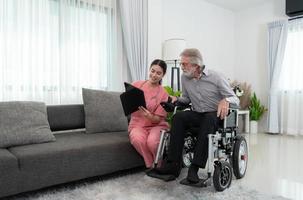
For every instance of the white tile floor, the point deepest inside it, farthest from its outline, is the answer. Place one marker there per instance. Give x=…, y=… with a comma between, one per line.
x=275, y=165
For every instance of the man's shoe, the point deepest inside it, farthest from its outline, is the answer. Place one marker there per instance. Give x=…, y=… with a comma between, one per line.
x=172, y=168
x=192, y=175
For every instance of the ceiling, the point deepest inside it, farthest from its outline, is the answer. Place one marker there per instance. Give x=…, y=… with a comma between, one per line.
x=236, y=5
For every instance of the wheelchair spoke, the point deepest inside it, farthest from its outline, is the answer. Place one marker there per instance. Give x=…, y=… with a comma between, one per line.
x=222, y=175
x=225, y=176
x=242, y=157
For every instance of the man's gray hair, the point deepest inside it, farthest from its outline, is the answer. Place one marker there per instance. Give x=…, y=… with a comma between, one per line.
x=194, y=56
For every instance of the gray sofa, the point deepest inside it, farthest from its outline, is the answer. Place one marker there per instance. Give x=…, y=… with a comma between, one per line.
x=73, y=156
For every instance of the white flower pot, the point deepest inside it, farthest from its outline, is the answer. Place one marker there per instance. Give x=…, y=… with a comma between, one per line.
x=253, y=126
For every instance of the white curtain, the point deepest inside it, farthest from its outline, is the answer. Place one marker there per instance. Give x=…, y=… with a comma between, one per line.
x=134, y=28
x=277, y=36
x=291, y=81
x=286, y=82
x=50, y=49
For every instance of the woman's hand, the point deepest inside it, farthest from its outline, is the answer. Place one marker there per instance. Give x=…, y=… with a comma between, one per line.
x=145, y=112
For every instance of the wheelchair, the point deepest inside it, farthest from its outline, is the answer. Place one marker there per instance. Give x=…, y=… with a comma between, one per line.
x=227, y=150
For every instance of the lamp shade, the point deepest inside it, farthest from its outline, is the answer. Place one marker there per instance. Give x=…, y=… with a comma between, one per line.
x=172, y=48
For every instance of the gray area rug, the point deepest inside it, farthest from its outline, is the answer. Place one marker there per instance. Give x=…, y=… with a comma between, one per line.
x=138, y=186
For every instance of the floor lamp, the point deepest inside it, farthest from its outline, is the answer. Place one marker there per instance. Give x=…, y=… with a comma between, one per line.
x=171, y=53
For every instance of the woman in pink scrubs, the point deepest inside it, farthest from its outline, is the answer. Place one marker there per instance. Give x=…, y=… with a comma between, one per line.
x=145, y=124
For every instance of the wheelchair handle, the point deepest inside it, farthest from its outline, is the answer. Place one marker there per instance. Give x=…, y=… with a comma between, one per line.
x=234, y=106
x=173, y=107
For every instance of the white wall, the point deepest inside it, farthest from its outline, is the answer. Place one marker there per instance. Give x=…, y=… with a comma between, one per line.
x=233, y=43
x=204, y=26
x=154, y=30
x=251, y=52
x=251, y=46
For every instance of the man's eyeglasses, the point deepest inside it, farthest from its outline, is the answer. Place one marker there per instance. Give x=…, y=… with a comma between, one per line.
x=185, y=64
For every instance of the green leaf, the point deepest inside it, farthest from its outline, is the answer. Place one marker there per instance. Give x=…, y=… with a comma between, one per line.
x=171, y=92
x=256, y=109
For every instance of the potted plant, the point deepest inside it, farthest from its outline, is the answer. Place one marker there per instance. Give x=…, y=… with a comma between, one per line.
x=171, y=92
x=256, y=110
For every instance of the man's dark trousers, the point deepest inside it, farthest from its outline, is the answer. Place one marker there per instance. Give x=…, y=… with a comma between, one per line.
x=207, y=123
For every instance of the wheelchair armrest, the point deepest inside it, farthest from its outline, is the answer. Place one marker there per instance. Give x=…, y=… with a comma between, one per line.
x=170, y=107
x=231, y=120
x=182, y=106
x=234, y=106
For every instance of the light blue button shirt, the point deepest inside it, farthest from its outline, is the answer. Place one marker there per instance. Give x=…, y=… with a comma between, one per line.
x=206, y=92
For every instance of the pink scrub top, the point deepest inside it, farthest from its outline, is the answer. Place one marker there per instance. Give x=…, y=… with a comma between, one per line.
x=153, y=97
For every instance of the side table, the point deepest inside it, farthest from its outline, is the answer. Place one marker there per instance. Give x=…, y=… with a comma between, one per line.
x=246, y=117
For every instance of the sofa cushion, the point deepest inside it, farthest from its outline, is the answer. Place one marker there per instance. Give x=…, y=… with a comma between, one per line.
x=75, y=155
x=8, y=162
x=23, y=123
x=65, y=117
x=9, y=173
x=103, y=111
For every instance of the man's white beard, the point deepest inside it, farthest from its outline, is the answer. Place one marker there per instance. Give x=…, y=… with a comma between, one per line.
x=189, y=74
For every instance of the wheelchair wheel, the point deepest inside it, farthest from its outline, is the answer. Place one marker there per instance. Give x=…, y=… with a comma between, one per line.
x=187, y=158
x=187, y=154
x=240, y=157
x=222, y=175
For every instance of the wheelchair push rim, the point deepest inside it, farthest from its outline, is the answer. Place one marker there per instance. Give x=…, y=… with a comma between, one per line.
x=243, y=157
x=240, y=157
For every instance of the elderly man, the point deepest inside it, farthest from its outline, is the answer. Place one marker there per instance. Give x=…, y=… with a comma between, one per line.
x=210, y=95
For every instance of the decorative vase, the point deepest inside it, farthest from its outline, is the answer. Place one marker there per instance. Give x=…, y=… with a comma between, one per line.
x=253, y=126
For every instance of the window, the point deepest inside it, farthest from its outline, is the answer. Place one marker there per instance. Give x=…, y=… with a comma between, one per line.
x=50, y=50
x=292, y=67
x=286, y=100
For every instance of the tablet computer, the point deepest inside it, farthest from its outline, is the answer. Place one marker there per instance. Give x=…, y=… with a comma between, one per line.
x=132, y=98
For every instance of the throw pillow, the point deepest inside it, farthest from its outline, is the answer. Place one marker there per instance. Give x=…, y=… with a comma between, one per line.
x=23, y=123
x=103, y=111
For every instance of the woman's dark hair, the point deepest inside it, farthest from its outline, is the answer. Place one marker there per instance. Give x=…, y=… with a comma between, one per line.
x=162, y=64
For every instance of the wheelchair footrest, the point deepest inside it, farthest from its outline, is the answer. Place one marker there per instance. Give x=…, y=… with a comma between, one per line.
x=165, y=177
x=201, y=183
